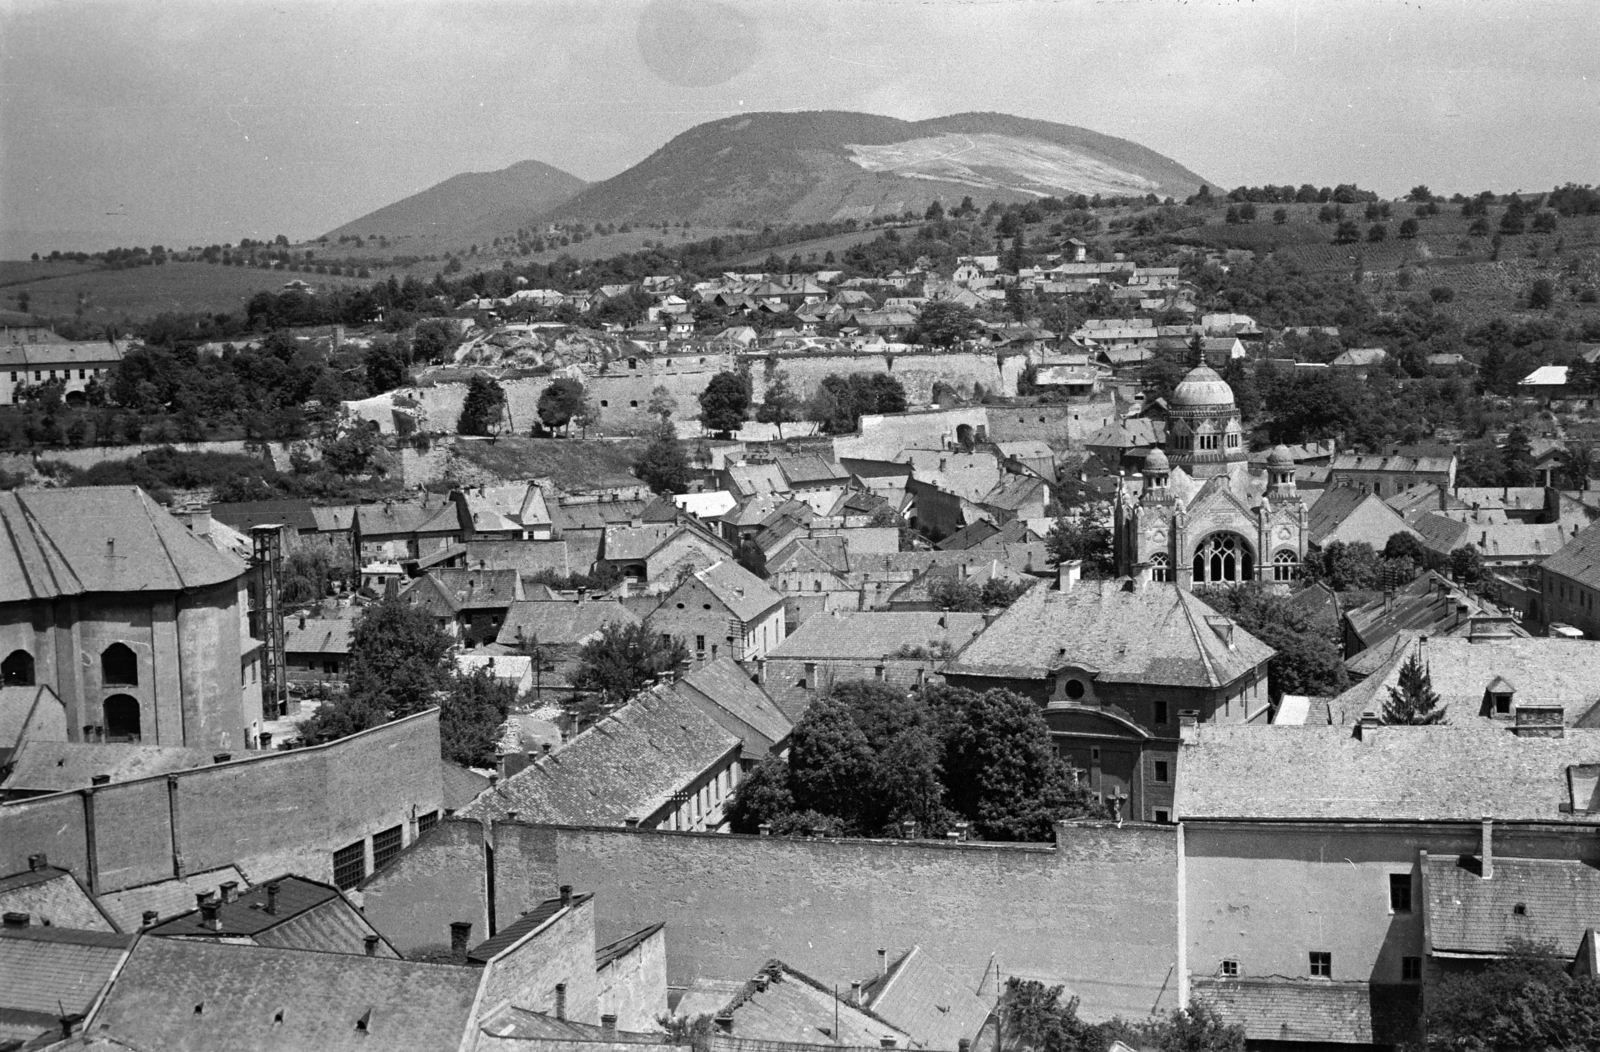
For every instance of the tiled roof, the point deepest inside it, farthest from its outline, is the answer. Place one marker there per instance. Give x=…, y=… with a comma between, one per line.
x=335, y=519
x=167, y=898
x=1579, y=559
x=1338, y=503
x=626, y=766
x=797, y=1008
x=561, y=622
x=1014, y=491
x=753, y=479
x=244, y=515
x=745, y=595
x=594, y=515
x=42, y=766
x=1456, y=772
x=875, y=634
x=1431, y=603
x=380, y=520
x=64, y=542
x=637, y=542
x=474, y=589
x=1282, y=1009
x=1155, y=635
x=969, y=536
x=530, y=921
x=1538, y=670
x=50, y=969
x=612, y=951
x=179, y=995
x=1397, y=464
x=53, y=896
x=729, y=689
x=920, y=997
x=317, y=635
x=308, y=916
x=519, y=1028
x=1558, y=899
x=802, y=469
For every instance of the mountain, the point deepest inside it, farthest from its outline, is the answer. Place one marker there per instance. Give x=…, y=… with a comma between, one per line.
x=500, y=201
x=808, y=167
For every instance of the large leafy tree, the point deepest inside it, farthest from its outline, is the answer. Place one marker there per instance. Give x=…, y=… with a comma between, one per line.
x=779, y=404
x=1412, y=700
x=1306, y=659
x=471, y=715
x=1088, y=538
x=625, y=659
x=385, y=363
x=483, y=408
x=944, y=323
x=830, y=761
x=663, y=465
x=724, y=402
x=1525, y=1001
x=560, y=402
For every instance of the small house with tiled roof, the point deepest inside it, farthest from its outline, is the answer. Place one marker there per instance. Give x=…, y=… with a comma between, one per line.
x=657, y=554
x=920, y=996
x=782, y=1007
x=1569, y=584
x=50, y=895
x=316, y=649
x=287, y=911
x=722, y=610
x=1114, y=665
x=469, y=603
x=392, y=531
x=727, y=693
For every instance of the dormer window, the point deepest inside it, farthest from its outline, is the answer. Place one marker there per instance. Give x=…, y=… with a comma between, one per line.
x=1502, y=704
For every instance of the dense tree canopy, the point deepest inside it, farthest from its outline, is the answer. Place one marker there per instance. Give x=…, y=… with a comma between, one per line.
x=725, y=402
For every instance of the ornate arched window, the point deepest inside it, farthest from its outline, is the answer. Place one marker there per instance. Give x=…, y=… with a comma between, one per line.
x=1285, y=566
x=17, y=669
x=1222, y=557
x=119, y=667
x=122, y=718
x=1160, y=567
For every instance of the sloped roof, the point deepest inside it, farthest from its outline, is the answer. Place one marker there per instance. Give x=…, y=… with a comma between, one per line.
x=1456, y=772
x=167, y=898
x=1579, y=559
x=1155, y=635
x=729, y=688
x=560, y=622
x=1013, y=491
x=1394, y=463
x=63, y=542
x=317, y=635
x=798, y=1009
x=244, y=515
x=751, y=479
x=308, y=916
x=1277, y=1008
x=593, y=515
x=626, y=766
x=51, y=969
x=920, y=997
x=612, y=951
x=525, y=557
x=475, y=589
x=40, y=766
x=1467, y=913
x=322, y=996
x=874, y=634
x=525, y=925
x=55, y=897
x=380, y=520
x=1431, y=602
x=745, y=595
x=638, y=542
x=801, y=469
x=1367, y=514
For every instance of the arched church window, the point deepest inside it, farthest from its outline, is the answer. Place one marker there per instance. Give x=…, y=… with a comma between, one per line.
x=1160, y=567
x=1285, y=566
x=17, y=669
x=122, y=718
x=1222, y=558
x=118, y=666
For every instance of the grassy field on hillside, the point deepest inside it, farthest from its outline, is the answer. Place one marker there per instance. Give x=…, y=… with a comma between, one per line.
x=109, y=295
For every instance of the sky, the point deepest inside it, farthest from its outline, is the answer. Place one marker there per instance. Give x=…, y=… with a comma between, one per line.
x=179, y=122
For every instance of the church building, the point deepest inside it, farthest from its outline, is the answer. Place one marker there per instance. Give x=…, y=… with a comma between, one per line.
x=1200, y=517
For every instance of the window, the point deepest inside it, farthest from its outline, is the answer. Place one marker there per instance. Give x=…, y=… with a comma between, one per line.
x=1094, y=754
x=1163, y=773
x=1285, y=566
x=1230, y=968
x=1400, y=892
x=385, y=845
x=1502, y=704
x=700, y=644
x=350, y=865
x=1161, y=712
x=604, y=403
x=118, y=666
x=1163, y=816
x=1074, y=689
x=1322, y=964
x=17, y=669
x=427, y=821
x=1160, y=568
x=1411, y=969
x=121, y=714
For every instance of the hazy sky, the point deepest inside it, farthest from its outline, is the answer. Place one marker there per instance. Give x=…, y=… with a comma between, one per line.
x=181, y=122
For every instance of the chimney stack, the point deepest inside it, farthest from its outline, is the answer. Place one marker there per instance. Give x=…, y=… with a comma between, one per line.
x=202, y=899
x=100, y=779
x=460, y=932
x=1369, y=723
x=608, y=1021
x=1068, y=574
x=230, y=890
x=272, y=897
x=725, y=1022
x=855, y=992
x=14, y=919
x=883, y=962
x=561, y=1001
x=1486, y=852
x=371, y=943
x=209, y=916
x=566, y=894
x=149, y=918
x=38, y=862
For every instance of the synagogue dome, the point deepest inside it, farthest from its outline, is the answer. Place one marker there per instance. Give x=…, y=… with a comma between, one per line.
x=1202, y=388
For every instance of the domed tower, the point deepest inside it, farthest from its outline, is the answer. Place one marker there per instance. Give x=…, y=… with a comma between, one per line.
x=1280, y=474
x=1156, y=472
x=1205, y=436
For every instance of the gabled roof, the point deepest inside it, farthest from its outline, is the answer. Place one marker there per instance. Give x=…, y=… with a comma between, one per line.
x=1366, y=513
x=875, y=634
x=65, y=542
x=317, y=635
x=611, y=952
x=628, y=765
x=460, y=588
x=167, y=898
x=593, y=515
x=303, y=915
x=1468, y=913
x=48, y=970
x=525, y=925
x=1579, y=559
x=920, y=997
x=1391, y=463
x=750, y=479
x=54, y=897
x=1015, y=491
x=1277, y=1008
x=795, y=1009
x=525, y=557
x=727, y=687
x=42, y=766
x=1157, y=635
x=244, y=515
x=180, y=995
x=802, y=469
x=745, y=595
x=388, y=518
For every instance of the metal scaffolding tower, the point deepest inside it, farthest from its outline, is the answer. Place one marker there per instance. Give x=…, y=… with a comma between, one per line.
x=267, y=618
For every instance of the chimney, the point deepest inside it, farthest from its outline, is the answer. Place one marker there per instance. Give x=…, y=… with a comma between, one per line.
x=266, y=739
x=1369, y=723
x=111, y=547
x=149, y=918
x=725, y=1022
x=908, y=828
x=561, y=1001
x=460, y=932
x=230, y=890
x=14, y=919
x=883, y=962
x=272, y=897
x=855, y=992
x=1068, y=574
x=886, y=1041
x=302, y=622
x=765, y=828
x=209, y=916
x=608, y=1021
x=221, y=757
x=964, y=1045
x=1486, y=853
x=1188, y=724
x=371, y=943
x=100, y=779
x=38, y=862
x=566, y=894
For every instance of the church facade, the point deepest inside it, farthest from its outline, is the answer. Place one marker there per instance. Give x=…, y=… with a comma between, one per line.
x=1199, y=516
